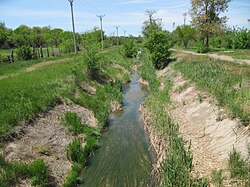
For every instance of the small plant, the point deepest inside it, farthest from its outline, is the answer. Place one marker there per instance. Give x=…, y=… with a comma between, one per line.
x=182, y=87
x=217, y=177
x=75, y=152
x=238, y=167
x=73, y=123
x=73, y=178
x=39, y=172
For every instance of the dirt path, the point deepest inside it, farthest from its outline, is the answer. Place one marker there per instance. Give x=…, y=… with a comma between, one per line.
x=43, y=64
x=216, y=56
x=35, y=67
x=211, y=133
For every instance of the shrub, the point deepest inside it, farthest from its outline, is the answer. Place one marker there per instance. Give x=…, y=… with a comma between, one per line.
x=24, y=53
x=201, y=47
x=158, y=43
x=95, y=64
x=129, y=49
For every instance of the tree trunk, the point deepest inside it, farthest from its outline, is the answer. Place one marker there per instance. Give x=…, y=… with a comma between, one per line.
x=41, y=51
x=53, y=52
x=207, y=41
x=47, y=51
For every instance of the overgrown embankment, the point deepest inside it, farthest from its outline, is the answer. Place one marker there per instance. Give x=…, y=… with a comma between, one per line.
x=174, y=164
x=228, y=82
x=190, y=129
x=67, y=106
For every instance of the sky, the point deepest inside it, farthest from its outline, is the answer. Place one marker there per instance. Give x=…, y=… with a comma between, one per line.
x=128, y=14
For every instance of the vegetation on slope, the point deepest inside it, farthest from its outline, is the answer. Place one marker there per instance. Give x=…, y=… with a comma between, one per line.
x=228, y=82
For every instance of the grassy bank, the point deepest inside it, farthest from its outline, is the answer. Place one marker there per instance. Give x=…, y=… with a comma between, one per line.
x=177, y=167
x=228, y=82
x=27, y=94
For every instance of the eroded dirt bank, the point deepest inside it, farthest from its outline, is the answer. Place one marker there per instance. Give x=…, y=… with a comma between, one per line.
x=212, y=134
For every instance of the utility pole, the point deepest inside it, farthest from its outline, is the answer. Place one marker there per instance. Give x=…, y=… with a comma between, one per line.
x=100, y=17
x=73, y=24
x=185, y=17
x=173, y=26
x=117, y=32
x=124, y=33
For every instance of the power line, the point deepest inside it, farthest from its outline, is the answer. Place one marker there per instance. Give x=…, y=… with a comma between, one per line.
x=100, y=17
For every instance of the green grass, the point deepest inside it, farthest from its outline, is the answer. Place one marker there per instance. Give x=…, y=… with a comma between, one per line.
x=147, y=71
x=20, y=66
x=12, y=173
x=177, y=167
x=228, y=82
x=217, y=177
x=25, y=95
x=237, y=53
x=234, y=53
x=239, y=168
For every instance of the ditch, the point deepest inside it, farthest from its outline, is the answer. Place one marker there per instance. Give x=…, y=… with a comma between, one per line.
x=125, y=157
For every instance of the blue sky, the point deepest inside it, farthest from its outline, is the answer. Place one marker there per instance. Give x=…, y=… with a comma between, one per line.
x=128, y=14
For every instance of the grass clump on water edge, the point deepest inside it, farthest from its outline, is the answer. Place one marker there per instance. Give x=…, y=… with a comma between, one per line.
x=12, y=173
x=147, y=71
x=78, y=151
x=228, y=82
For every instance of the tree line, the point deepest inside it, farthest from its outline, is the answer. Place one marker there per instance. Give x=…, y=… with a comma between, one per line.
x=39, y=42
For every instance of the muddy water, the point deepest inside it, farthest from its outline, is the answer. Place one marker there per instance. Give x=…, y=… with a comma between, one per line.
x=124, y=158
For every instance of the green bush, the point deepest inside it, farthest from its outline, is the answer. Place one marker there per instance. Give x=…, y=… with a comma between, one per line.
x=129, y=49
x=96, y=64
x=24, y=53
x=201, y=47
x=158, y=43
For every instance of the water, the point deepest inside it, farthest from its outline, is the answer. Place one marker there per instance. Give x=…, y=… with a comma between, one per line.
x=124, y=158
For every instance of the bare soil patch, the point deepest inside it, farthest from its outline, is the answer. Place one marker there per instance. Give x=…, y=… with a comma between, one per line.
x=211, y=132
x=47, y=138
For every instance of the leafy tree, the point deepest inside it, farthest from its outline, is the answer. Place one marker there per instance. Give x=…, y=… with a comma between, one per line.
x=184, y=34
x=92, y=37
x=158, y=43
x=3, y=34
x=205, y=17
x=21, y=36
x=151, y=25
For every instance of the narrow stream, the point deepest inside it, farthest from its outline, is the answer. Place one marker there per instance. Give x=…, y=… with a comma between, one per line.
x=124, y=158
